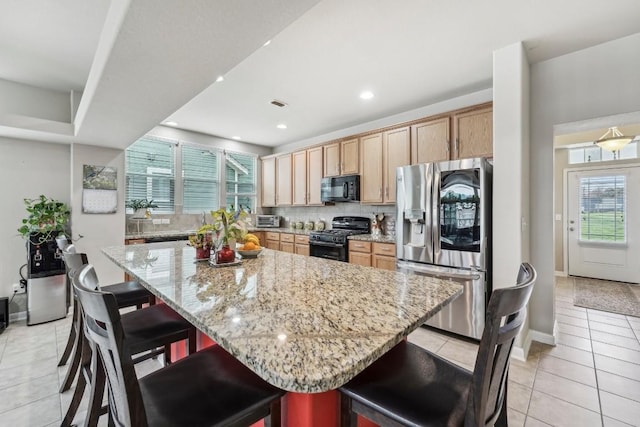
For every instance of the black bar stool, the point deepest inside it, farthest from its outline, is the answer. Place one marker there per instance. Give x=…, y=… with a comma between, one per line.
x=207, y=388
x=412, y=386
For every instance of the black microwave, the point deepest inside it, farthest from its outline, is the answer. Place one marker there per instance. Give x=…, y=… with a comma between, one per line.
x=340, y=189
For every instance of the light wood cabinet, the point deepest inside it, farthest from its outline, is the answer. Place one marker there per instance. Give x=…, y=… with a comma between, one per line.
x=473, y=132
x=430, y=141
x=272, y=240
x=314, y=175
x=371, y=176
x=302, y=244
x=299, y=178
x=384, y=256
x=268, y=183
x=342, y=158
x=287, y=242
x=283, y=180
x=397, y=152
x=360, y=258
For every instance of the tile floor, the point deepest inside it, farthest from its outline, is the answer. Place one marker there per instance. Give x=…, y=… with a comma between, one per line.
x=591, y=378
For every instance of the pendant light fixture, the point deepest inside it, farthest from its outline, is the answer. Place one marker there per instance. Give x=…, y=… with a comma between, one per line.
x=613, y=140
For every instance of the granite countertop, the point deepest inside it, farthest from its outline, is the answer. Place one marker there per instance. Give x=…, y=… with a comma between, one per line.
x=284, y=230
x=383, y=238
x=303, y=324
x=160, y=234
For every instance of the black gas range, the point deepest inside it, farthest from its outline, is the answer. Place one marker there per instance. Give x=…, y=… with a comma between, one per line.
x=333, y=244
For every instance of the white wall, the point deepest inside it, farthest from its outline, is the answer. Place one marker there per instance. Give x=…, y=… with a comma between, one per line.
x=98, y=230
x=594, y=82
x=27, y=170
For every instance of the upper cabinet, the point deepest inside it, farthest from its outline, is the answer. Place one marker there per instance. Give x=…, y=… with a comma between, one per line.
x=341, y=158
x=396, y=146
x=306, y=177
x=430, y=141
x=283, y=180
x=268, y=183
x=473, y=133
x=371, y=176
x=299, y=178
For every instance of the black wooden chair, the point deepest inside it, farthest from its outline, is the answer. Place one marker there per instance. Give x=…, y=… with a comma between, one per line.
x=128, y=294
x=414, y=387
x=148, y=332
x=207, y=388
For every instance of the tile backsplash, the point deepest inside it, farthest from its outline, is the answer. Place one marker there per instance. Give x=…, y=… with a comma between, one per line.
x=326, y=213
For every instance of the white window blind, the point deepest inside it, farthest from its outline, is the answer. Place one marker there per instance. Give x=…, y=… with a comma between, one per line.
x=240, y=177
x=602, y=208
x=200, y=179
x=150, y=172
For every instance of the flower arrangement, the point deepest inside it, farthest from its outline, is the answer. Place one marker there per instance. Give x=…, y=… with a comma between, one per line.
x=202, y=238
x=229, y=225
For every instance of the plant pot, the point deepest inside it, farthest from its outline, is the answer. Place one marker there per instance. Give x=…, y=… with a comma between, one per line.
x=225, y=254
x=203, y=253
x=141, y=213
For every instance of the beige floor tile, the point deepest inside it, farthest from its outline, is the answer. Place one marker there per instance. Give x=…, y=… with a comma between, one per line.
x=610, y=422
x=618, y=367
x=29, y=372
x=40, y=413
x=3, y=344
x=615, y=321
x=621, y=386
x=611, y=329
x=28, y=392
x=571, y=312
x=459, y=352
x=568, y=320
x=573, y=330
x=574, y=341
x=518, y=397
x=13, y=357
x=569, y=370
x=571, y=354
x=515, y=418
x=532, y=422
x=427, y=340
x=620, y=408
x=605, y=313
x=565, y=389
x=616, y=352
x=559, y=413
x=522, y=374
x=630, y=343
x=634, y=322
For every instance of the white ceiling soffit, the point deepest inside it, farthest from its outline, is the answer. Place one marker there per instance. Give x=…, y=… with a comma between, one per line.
x=409, y=54
x=152, y=57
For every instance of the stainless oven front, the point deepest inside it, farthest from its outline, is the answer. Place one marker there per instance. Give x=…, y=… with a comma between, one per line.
x=328, y=250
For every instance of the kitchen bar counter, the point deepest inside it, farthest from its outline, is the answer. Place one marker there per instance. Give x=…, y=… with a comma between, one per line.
x=304, y=324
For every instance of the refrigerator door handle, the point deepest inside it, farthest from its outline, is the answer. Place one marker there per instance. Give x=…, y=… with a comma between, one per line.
x=459, y=274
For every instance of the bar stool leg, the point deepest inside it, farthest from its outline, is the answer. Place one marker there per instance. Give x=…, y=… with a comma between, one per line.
x=95, y=409
x=80, y=384
x=74, y=367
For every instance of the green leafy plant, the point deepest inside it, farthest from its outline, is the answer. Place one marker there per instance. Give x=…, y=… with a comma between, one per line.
x=202, y=239
x=136, y=204
x=47, y=219
x=229, y=224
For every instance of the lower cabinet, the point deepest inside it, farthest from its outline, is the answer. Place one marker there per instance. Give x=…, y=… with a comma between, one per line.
x=360, y=252
x=373, y=254
x=302, y=244
x=287, y=242
x=272, y=240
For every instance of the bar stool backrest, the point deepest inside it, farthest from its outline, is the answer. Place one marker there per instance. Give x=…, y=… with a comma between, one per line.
x=505, y=315
x=102, y=326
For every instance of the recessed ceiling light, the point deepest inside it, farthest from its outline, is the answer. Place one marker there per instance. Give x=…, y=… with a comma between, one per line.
x=366, y=94
x=219, y=79
x=281, y=126
x=171, y=123
x=267, y=43
x=237, y=138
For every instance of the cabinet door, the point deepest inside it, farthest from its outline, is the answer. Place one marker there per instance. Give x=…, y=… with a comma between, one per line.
x=350, y=159
x=474, y=133
x=283, y=180
x=314, y=175
x=273, y=244
x=299, y=178
x=302, y=249
x=332, y=159
x=360, y=258
x=268, y=182
x=287, y=247
x=387, y=249
x=397, y=149
x=430, y=141
x=371, y=176
x=384, y=262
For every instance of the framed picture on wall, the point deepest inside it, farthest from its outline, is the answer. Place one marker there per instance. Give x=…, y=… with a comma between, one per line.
x=99, y=189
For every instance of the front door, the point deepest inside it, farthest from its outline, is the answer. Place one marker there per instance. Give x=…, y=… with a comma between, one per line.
x=604, y=224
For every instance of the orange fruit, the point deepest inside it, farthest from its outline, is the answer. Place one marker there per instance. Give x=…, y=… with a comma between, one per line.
x=249, y=246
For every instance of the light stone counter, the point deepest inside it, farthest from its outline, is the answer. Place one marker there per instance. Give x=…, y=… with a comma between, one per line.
x=383, y=238
x=304, y=324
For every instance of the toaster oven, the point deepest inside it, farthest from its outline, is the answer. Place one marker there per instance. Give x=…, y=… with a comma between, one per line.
x=267, y=221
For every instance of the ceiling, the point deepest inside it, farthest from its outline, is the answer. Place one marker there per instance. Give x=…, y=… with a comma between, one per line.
x=107, y=73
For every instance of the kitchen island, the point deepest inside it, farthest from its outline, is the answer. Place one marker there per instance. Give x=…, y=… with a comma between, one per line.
x=304, y=324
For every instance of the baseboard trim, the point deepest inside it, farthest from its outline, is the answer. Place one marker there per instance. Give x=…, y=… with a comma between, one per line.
x=544, y=337
x=16, y=317
x=521, y=353
x=561, y=274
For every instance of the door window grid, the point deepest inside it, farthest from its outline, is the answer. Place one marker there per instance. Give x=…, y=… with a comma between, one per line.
x=240, y=181
x=593, y=153
x=602, y=209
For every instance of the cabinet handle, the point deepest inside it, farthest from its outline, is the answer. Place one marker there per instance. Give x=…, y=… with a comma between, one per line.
x=337, y=168
x=457, y=147
x=342, y=168
x=448, y=143
x=380, y=192
x=386, y=191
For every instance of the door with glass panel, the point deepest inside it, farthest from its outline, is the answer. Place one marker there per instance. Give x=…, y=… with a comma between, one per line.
x=604, y=224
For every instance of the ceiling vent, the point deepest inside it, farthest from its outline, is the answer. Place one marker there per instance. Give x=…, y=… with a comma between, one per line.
x=279, y=103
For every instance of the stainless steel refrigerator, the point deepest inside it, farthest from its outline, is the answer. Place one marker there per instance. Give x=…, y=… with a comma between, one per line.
x=444, y=229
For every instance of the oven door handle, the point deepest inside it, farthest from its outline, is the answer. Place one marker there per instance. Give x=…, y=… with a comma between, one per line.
x=327, y=244
x=335, y=258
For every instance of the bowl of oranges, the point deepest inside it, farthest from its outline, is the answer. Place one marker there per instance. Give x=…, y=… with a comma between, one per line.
x=251, y=247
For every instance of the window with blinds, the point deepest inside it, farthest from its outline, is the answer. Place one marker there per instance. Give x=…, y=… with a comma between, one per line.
x=602, y=208
x=240, y=177
x=200, y=179
x=150, y=172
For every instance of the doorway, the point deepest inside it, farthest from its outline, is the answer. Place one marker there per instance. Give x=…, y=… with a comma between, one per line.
x=603, y=223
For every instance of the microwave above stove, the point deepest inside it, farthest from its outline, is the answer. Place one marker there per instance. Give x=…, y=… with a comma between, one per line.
x=340, y=189
x=267, y=221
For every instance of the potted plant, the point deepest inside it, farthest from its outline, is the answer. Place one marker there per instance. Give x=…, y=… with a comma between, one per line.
x=202, y=241
x=47, y=219
x=140, y=207
x=229, y=226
